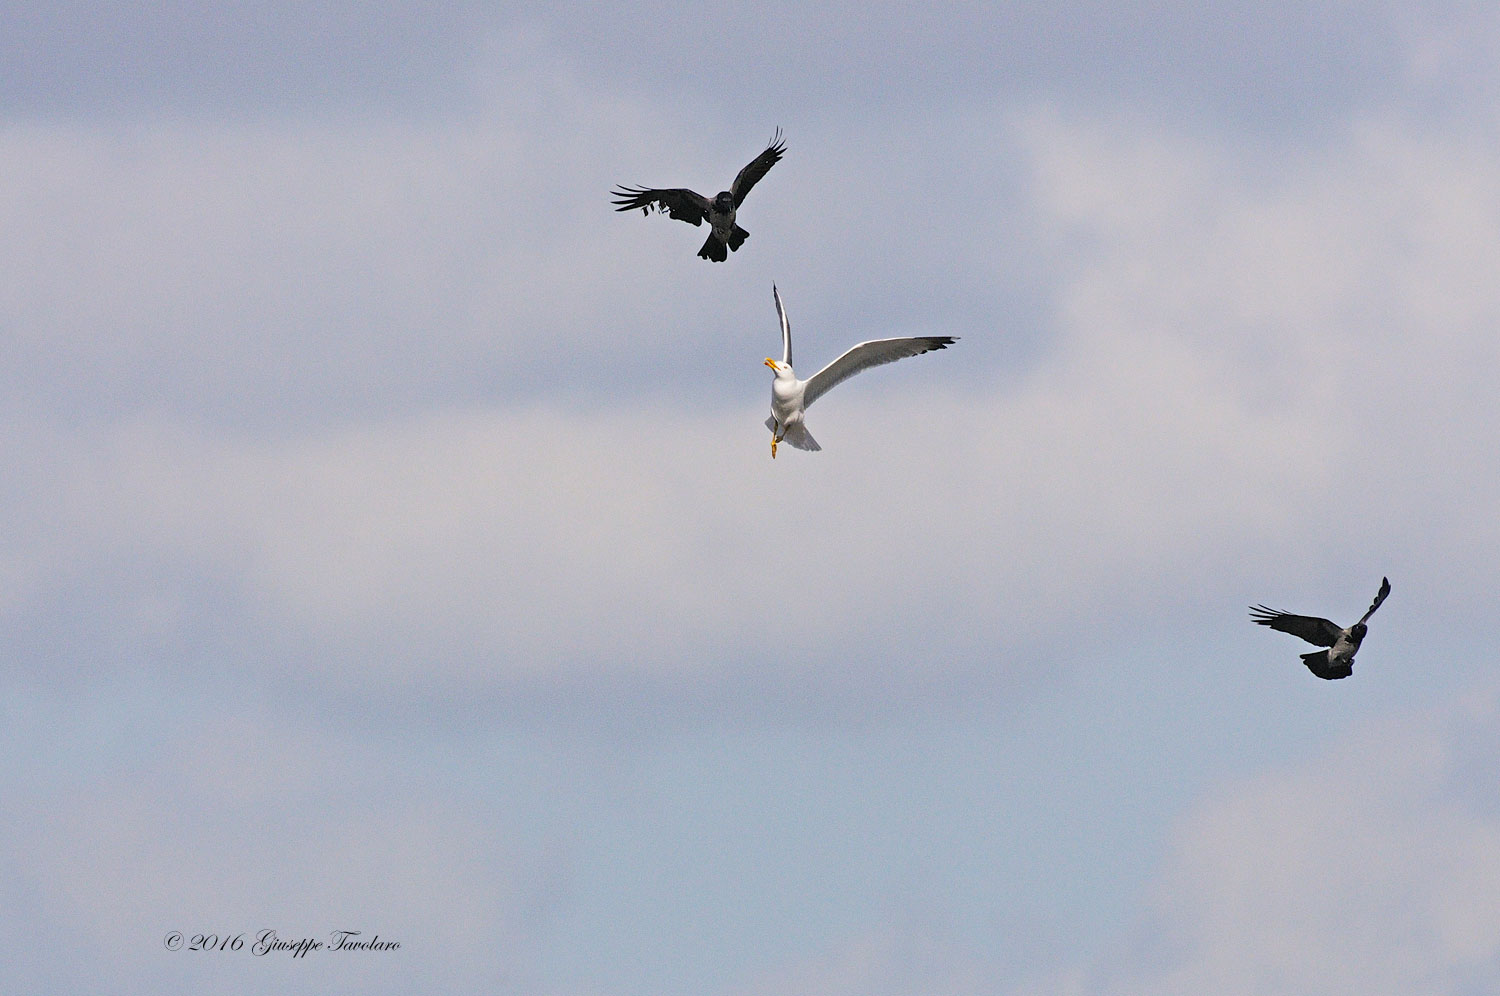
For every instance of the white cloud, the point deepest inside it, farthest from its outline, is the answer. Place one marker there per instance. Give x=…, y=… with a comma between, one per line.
x=1365, y=870
x=892, y=962
x=1283, y=370
x=501, y=544
x=1370, y=868
x=237, y=826
x=305, y=269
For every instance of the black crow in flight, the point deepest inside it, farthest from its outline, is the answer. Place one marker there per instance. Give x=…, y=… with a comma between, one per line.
x=1338, y=660
x=694, y=208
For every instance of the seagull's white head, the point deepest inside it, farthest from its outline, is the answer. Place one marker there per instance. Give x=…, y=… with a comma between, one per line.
x=778, y=368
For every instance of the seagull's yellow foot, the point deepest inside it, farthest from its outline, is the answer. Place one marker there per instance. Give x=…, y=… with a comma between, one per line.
x=774, y=441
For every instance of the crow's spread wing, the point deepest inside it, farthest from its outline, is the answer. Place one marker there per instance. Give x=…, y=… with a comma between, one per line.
x=1385, y=589
x=680, y=203
x=1318, y=632
x=757, y=168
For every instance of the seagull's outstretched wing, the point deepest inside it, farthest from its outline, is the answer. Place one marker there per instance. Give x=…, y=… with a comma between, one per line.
x=786, y=328
x=867, y=355
x=1318, y=632
x=1385, y=589
x=757, y=168
x=680, y=203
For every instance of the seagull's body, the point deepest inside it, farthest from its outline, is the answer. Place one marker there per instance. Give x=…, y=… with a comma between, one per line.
x=788, y=406
x=791, y=397
x=686, y=205
x=1338, y=660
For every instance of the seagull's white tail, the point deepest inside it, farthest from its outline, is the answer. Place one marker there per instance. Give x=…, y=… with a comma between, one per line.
x=799, y=437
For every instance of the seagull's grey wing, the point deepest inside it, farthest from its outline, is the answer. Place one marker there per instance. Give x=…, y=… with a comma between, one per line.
x=757, y=168
x=786, y=328
x=680, y=203
x=867, y=355
x=1318, y=632
x=1385, y=589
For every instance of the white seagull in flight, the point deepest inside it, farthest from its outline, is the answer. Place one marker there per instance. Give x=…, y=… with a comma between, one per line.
x=791, y=397
x=1338, y=660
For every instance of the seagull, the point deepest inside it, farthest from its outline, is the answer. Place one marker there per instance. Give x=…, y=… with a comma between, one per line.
x=791, y=397
x=694, y=208
x=1338, y=660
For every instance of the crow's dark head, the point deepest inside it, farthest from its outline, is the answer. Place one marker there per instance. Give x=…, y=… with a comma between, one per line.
x=724, y=203
x=1357, y=632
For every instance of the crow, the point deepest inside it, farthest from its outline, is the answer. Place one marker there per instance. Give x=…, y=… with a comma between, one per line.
x=1338, y=660
x=694, y=208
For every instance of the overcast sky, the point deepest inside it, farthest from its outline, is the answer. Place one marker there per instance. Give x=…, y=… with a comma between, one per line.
x=391, y=543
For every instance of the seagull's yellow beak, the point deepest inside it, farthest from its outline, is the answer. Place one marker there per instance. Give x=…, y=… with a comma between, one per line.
x=770, y=363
